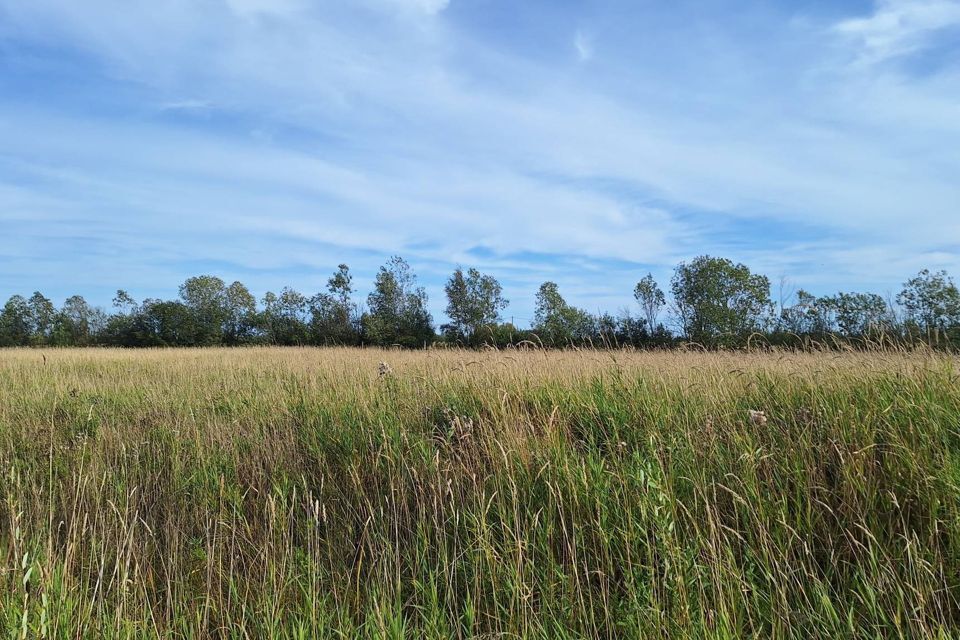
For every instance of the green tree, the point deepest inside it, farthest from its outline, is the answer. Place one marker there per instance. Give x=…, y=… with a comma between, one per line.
x=165, y=323
x=931, y=300
x=397, y=308
x=74, y=323
x=807, y=316
x=206, y=299
x=15, y=323
x=559, y=324
x=853, y=314
x=119, y=329
x=42, y=316
x=284, y=318
x=651, y=299
x=240, y=317
x=124, y=303
x=340, y=286
x=474, y=301
x=719, y=302
x=333, y=315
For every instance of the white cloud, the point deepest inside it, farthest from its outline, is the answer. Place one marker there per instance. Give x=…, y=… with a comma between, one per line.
x=429, y=7
x=583, y=45
x=899, y=27
x=276, y=8
x=186, y=105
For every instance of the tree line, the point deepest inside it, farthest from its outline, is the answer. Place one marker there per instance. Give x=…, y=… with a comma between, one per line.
x=713, y=302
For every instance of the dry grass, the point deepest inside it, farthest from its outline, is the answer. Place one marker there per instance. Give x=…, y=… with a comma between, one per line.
x=313, y=493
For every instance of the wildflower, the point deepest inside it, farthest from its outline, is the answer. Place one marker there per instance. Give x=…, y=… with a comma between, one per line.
x=384, y=369
x=758, y=418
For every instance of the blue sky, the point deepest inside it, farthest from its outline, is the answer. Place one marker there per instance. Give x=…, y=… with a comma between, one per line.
x=586, y=143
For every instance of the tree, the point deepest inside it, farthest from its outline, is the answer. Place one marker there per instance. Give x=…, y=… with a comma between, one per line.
x=559, y=324
x=206, y=299
x=163, y=323
x=651, y=299
x=42, y=315
x=931, y=300
x=119, y=329
x=806, y=316
x=853, y=314
x=284, y=317
x=719, y=302
x=473, y=302
x=240, y=317
x=397, y=308
x=74, y=323
x=333, y=315
x=124, y=303
x=15, y=323
x=340, y=285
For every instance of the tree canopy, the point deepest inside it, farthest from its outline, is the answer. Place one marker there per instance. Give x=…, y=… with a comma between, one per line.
x=931, y=300
x=397, y=308
x=474, y=302
x=719, y=302
x=559, y=324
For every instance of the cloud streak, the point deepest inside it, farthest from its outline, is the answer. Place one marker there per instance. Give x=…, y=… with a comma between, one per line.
x=583, y=45
x=899, y=27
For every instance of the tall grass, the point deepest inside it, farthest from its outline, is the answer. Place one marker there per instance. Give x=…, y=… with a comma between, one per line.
x=260, y=493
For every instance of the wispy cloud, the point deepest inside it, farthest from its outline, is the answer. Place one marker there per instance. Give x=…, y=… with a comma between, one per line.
x=584, y=46
x=899, y=27
x=294, y=135
x=258, y=8
x=186, y=105
x=427, y=6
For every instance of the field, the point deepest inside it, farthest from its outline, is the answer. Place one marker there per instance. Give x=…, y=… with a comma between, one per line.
x=300, y=493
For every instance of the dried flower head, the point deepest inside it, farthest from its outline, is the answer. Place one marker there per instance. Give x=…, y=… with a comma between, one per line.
x=758, y=418
x=384, y=369
x=708, y=428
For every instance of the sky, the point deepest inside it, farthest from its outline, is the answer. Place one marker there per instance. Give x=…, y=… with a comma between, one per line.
x=587, y=143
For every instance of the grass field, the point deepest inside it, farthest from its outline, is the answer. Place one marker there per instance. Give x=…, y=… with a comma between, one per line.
x=259, y=493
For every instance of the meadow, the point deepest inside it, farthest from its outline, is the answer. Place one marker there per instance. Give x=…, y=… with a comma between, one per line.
x=313, y=493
